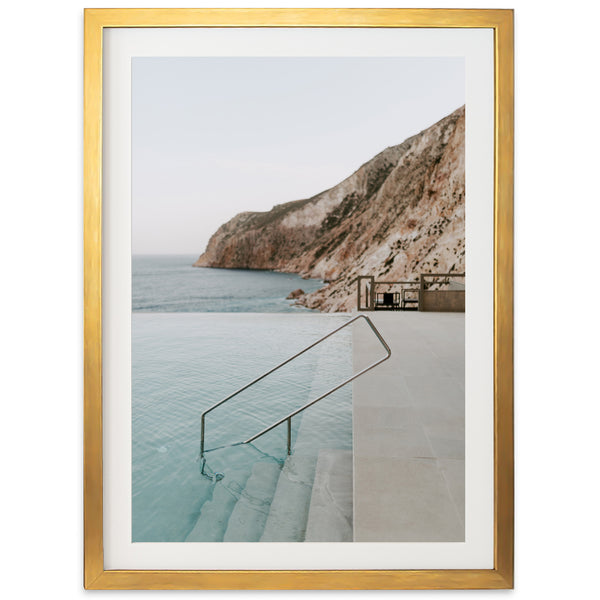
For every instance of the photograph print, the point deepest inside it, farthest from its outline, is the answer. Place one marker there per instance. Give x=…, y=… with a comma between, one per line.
x=298, y=299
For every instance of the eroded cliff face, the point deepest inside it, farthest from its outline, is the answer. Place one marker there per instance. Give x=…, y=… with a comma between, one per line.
x=401, y=214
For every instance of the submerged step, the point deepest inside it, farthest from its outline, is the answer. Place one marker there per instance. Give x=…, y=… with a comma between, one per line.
x=330, y=513
x=289, y=513
x=289, y=510
x=214, y=515
x=247, y=520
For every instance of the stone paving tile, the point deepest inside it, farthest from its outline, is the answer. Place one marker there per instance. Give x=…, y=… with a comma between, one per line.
x=409, y=420
x=454, y=474
x=447, y=448
x=435, y=390
x=410, y=502
x=380, y=389
x=386, y=417
x=446, y=419
x=392, y=443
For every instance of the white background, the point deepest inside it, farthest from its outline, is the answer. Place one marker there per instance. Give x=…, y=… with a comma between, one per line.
x=557, y=223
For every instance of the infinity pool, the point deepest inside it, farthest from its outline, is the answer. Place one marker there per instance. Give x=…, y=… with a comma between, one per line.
x=182, y=363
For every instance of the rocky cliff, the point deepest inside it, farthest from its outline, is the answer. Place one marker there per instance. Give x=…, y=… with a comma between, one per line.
x=400, y=214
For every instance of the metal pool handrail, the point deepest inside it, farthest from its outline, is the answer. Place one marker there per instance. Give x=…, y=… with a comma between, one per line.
x=288, y=418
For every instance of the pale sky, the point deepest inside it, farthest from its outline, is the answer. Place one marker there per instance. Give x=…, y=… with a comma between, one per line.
x=212, y=137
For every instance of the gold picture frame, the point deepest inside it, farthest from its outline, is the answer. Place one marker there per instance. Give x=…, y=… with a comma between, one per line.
x=501, y=576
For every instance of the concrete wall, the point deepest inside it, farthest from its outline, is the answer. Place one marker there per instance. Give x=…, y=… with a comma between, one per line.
x=442, y=301
x=456, y=285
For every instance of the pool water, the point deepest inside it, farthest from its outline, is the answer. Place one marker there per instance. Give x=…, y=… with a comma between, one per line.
x=184, y=362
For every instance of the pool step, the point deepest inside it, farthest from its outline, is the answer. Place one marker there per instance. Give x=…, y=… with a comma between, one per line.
x=289, y=509
x=214, y=515
x=289, y=514
x=330, y=512
x=249, y=514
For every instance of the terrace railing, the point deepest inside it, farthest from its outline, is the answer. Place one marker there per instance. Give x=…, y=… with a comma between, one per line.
x=389, y=295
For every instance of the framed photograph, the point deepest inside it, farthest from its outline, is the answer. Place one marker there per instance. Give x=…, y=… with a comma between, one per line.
x=298, y=299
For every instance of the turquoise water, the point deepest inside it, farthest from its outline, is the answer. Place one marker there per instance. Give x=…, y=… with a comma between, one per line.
x=171, y=284
x=183, y=362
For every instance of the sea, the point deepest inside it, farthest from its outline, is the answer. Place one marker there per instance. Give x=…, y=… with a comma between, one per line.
x=171, y=284
x=198, y=335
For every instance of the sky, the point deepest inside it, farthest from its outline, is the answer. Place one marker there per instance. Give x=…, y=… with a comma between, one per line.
x=212, y=137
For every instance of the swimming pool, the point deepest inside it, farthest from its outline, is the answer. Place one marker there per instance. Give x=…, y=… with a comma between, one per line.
x=182, y=363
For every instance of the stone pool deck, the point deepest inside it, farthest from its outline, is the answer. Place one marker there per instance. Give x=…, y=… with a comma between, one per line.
x=409, y=436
